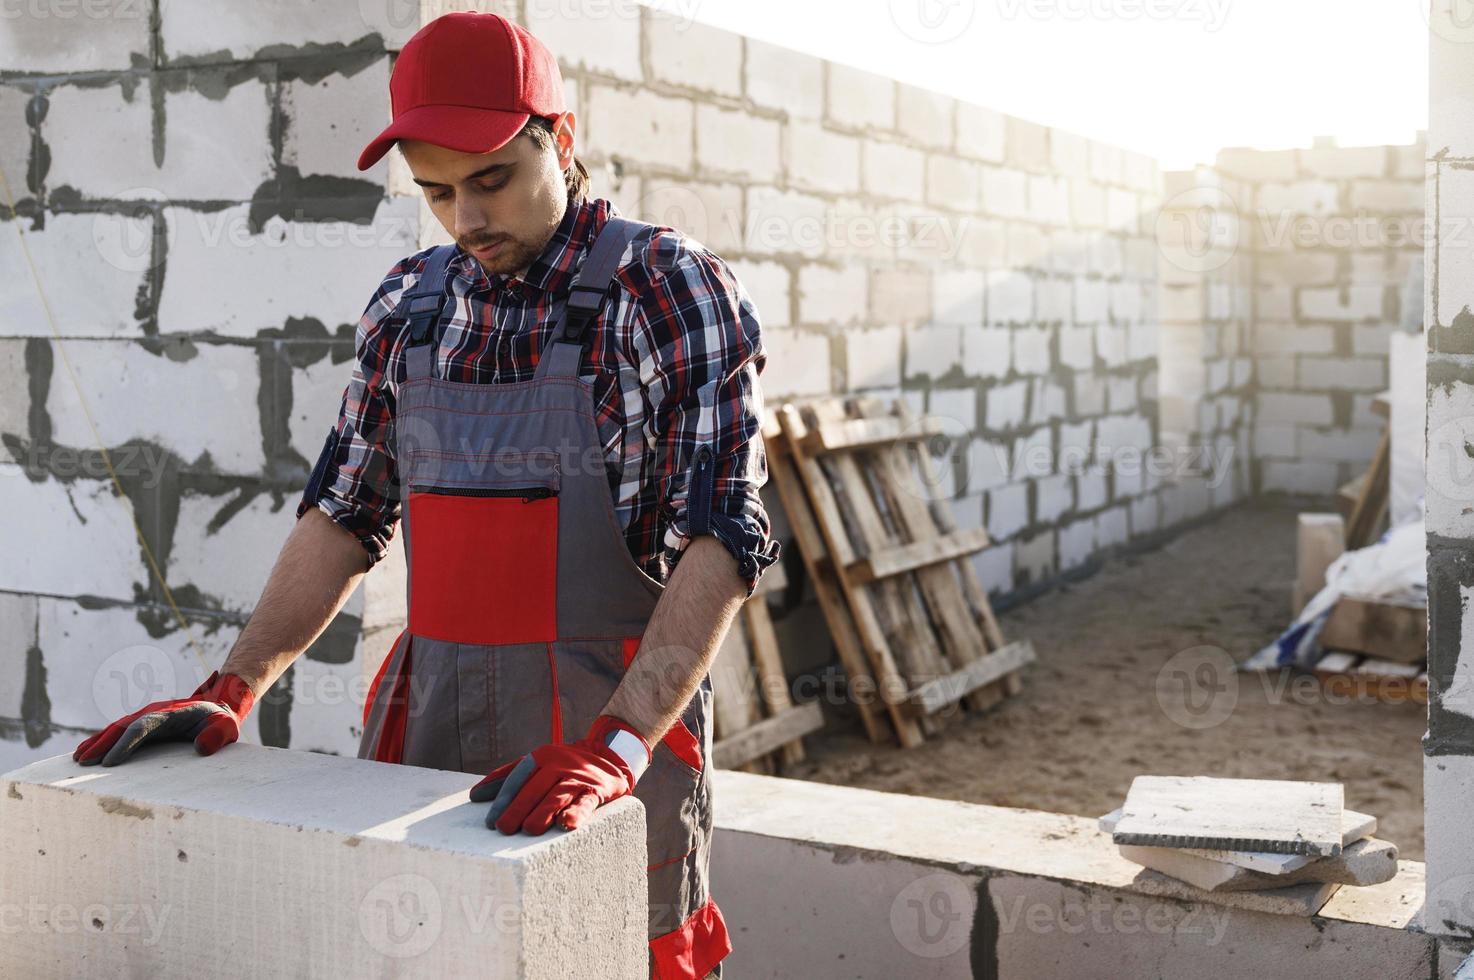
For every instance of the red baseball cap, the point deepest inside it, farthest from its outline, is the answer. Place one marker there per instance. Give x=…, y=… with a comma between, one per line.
x=468, y=82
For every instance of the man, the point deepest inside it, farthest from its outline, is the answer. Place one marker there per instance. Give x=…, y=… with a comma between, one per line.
x=564, y=410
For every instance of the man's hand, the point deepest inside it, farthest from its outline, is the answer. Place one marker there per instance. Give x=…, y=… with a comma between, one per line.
x=564, y=783
x=212, y=716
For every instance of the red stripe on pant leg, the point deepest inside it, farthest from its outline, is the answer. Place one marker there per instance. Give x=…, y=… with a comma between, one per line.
x=690, y=952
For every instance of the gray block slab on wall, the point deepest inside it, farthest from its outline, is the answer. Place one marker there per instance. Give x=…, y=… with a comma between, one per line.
x=1279, y=816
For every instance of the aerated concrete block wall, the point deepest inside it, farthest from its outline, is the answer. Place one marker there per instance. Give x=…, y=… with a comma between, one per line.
x=1448, y=746
x=185, y=180
x=996, y=273
x=188, y=202
x=1334, y=233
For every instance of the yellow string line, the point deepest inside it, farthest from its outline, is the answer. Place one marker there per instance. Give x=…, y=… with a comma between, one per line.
x=87, y=412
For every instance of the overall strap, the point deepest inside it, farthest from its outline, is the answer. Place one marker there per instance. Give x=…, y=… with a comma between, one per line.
x=422, y=305
x=561, y=354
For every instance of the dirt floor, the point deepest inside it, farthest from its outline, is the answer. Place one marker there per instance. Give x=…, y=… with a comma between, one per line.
x=1091, y=717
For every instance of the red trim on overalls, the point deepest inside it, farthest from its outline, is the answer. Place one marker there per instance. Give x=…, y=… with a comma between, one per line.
x=390, y=747
x=679, y=738
x=693, y=950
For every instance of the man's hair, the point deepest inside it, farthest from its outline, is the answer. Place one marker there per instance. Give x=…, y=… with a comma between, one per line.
x=540, y=130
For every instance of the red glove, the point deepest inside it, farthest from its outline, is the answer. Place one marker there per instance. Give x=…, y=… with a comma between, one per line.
x=566, y=783
x=212, y=716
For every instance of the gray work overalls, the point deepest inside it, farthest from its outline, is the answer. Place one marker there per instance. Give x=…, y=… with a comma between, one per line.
x=525, y=604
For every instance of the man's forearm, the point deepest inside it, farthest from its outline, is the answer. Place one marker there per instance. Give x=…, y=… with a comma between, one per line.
x=316, y=572
x=681, y=640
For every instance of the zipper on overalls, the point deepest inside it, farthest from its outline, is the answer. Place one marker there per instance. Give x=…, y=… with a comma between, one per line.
x=528, y=494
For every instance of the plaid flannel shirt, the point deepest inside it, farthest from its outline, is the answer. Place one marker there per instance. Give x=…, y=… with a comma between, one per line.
x=675, y=359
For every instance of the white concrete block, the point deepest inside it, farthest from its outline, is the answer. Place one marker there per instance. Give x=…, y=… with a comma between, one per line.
x=693, y=55
x=980, y=132
x=103, y=663
x=131, y=393
x=952, y=182
x=1449, y=471
x=1049, y=199
x=1342, y=304
x=798, y=364
x=933, y=350
x=1047, y=401
x=792, y=223
x=319, y=270
x=873, y=357
x=737, y=143
x=1304, y=409
x=711, y=213
x=781, y=78
x=1123, y=210
x=17, y=639
x=331, y=119
x=994, y=568
x=1448, y=780
x=1076, y=543
x=821, y=159
x=1053, y=300
x=924, y=116
x=641, y=126
x=986, y=351
x=832, y=295
x=1010, y=298
x=1279, y=816
x=1303, y=477
x=771, y=287
x=1005, y=405
x=602, y=37
x=58, y=38
x=1054, y=496
x=1112, y=527
x=1146, y=515
x=227, y=552
x=70, y=538
x=1077, y=347
x=900, y=295
x=1005, y=192
x=1387, y=196
x=860, y=99
x=110, y=252
x=1008, y=510
x=352, y=867
x=890, y=170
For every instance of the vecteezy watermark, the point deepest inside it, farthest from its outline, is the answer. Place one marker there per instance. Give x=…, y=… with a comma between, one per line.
x=135, y=676
x=1450, y=20
x=932, y=916
x=1211, y=13
x=401, y=916
x=144, y=464
x=74, y=9
x=933, y=21
x=142, y=923
x=1197, y=230
x=1198, y=687
x=1100, y=913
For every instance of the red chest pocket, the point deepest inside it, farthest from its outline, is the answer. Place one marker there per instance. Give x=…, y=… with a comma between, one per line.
x=483, y=562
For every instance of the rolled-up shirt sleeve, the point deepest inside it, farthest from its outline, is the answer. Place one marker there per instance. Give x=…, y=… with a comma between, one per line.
x=355, y=481
x=699, y=347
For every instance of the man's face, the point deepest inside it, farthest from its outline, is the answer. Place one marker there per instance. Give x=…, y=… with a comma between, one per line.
x=501, y=207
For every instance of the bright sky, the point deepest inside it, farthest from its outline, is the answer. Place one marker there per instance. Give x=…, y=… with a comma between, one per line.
x=1175, y=79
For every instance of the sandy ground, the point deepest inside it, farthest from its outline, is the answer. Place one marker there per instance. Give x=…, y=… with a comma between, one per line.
x=1090, y=716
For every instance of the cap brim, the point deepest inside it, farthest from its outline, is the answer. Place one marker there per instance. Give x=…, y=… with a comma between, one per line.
x=465, y=129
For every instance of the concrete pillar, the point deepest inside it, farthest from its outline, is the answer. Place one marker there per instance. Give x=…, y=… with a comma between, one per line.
x=1448, y=747
x=270, y=862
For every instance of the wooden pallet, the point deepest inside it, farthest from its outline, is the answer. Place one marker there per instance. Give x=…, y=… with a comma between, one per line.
x=757, y=725
x=911, y=623
x=1351, y=675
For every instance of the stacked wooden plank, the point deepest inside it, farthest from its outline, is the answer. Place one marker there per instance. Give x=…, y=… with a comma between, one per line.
x=757, y=725
x=1267, y=845
x=912, y=624
x=1374, y=650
